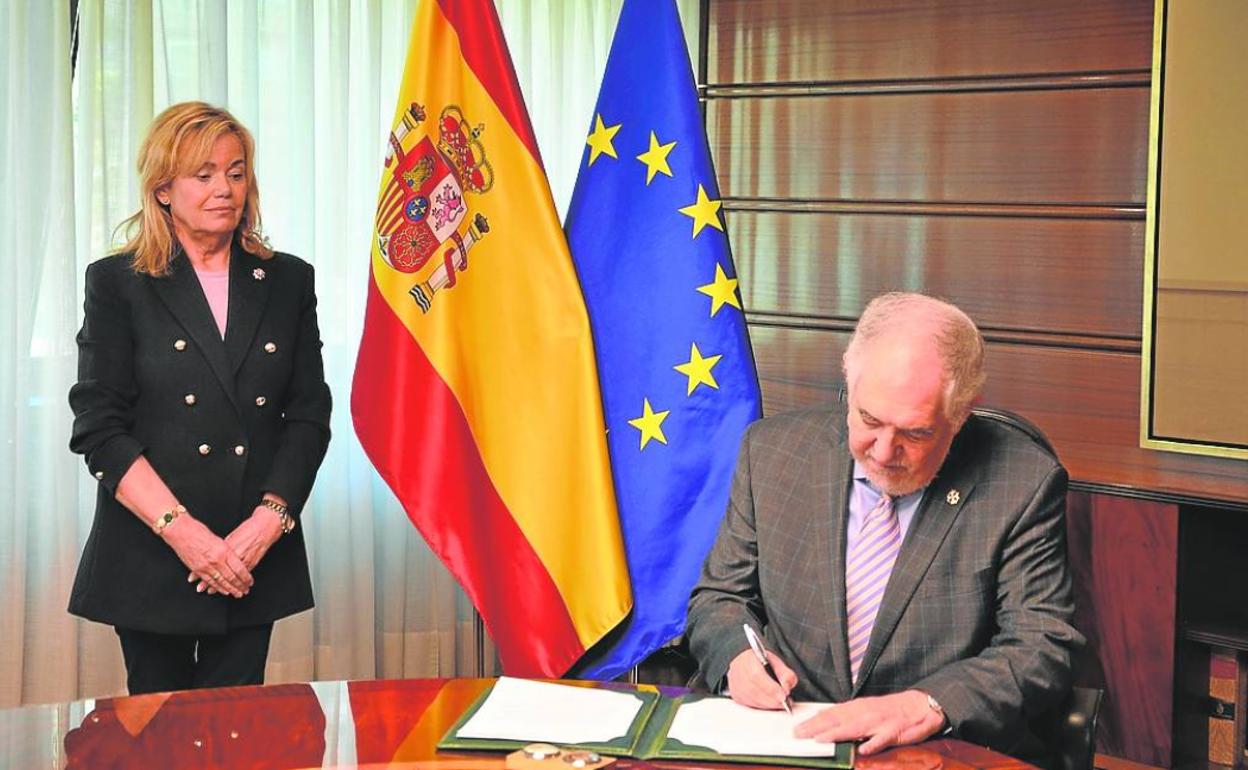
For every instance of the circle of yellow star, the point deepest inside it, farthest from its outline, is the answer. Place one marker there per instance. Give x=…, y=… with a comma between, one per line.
x=650, y=423
x=722, y=291
x=655, y=158
x=599, y=140
x=703, y=211
x=698, y=369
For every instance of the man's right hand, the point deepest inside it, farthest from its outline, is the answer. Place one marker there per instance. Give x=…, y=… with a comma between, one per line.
x=749, y=685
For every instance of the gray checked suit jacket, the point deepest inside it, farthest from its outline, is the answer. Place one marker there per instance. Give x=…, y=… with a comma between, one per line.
x=977, y=611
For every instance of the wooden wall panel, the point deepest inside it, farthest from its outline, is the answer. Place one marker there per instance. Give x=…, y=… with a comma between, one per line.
x=1039, y=147
x=1079, y=276
x=1124, y=556
x=811, y=40
x=1023, y=206
x=1079, y=398
x=797, y=368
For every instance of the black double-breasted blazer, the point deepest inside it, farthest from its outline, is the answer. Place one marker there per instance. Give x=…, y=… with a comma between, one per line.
x=221, y=421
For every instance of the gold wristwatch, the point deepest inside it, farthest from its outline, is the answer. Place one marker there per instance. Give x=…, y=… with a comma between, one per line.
x=283, y=513
x=166, y=518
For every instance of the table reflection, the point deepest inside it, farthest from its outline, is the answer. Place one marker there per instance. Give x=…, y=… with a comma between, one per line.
x=278, y=726
x=389, y=723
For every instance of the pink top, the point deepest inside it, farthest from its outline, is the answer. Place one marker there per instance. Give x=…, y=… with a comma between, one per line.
x=216, y=285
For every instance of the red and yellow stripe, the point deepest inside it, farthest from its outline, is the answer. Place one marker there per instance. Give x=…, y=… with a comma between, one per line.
x=483, y=415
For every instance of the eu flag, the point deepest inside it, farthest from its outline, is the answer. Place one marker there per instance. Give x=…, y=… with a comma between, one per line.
x=674, y=361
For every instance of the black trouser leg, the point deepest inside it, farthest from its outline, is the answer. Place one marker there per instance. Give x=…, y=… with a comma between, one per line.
x=233, y=658
x=162, y=662
x=157, y=662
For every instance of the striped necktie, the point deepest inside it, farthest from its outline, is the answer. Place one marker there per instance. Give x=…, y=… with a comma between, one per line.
x=866, y=575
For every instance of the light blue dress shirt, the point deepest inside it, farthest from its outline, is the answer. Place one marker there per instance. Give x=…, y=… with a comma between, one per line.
x=862, y=499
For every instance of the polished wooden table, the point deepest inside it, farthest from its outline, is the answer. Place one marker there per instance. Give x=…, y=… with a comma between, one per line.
x=365, y=724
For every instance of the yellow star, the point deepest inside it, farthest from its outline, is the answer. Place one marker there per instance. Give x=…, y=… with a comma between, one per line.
x=698, y=369
x=650, y=423
x=703, y=212
x=599, y=140
x=655, y=158
x=722, y=292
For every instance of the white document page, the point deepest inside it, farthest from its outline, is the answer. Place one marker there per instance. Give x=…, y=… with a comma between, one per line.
x=730, y=728
x=522, y=710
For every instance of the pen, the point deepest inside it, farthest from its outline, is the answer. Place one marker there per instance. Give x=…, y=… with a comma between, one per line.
x=757, y=646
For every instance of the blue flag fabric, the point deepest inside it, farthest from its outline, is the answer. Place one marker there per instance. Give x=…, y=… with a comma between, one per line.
x=675, y=366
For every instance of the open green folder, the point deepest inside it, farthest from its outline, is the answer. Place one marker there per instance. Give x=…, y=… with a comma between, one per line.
x=647, y=737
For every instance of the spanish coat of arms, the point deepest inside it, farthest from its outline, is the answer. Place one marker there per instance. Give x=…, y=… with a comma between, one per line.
x=423, y=223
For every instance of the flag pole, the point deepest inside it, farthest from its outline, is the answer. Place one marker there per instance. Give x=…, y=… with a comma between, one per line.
x=478, y=642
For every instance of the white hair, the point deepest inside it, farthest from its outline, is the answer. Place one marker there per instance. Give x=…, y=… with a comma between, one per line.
x=956, y=338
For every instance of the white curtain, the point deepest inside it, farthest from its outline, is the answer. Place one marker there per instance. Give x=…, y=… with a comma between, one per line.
x=315, y=82
x=41, y=490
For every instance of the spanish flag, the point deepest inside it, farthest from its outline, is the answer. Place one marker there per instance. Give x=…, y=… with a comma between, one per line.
x=475, y=391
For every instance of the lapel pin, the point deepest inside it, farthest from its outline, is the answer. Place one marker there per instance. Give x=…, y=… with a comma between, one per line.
x=258, y=273
x=953, y=498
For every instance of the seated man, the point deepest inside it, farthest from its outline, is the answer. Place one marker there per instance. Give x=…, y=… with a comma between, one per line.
x=906, y=560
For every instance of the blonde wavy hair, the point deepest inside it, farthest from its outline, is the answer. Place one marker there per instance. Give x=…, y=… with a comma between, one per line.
x=178, y=143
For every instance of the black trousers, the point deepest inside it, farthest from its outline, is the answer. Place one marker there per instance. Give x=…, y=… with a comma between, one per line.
x=162, y=662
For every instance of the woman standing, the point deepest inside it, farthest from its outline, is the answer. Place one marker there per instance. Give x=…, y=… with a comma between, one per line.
x=201, y=408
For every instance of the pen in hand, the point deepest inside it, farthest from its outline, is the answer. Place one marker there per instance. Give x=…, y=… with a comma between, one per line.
x=761, y=654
